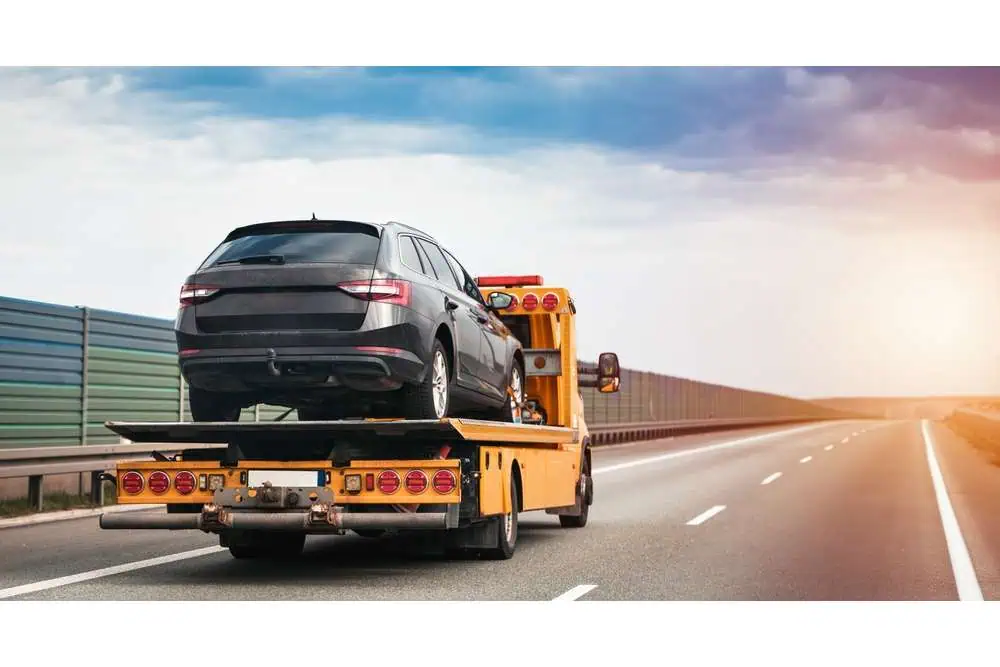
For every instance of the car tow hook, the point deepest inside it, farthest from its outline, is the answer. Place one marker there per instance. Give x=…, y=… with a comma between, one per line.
x=272, y=367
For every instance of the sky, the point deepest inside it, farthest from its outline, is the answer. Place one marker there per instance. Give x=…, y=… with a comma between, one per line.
x=809, y=232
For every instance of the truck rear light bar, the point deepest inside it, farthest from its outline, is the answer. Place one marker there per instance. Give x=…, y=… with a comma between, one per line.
x=509, y=281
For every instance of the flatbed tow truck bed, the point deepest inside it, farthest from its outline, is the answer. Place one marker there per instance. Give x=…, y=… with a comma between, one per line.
x=414, y=430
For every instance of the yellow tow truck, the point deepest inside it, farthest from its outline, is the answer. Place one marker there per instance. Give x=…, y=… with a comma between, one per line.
x=269, y=484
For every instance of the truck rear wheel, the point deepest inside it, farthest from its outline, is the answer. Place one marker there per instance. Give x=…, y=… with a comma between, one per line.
x=507, y=529
x=584, y=498
x=253, y=544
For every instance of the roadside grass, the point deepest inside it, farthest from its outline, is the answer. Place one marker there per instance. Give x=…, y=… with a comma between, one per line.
x=54, y=501
x=985, y=442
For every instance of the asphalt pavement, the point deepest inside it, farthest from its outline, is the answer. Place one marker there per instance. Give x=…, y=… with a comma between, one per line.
x=835, y=511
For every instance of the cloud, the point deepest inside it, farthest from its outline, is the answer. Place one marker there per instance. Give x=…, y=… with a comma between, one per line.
x=772, y=271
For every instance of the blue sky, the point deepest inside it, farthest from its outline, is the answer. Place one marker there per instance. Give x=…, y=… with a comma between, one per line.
x=803, y=231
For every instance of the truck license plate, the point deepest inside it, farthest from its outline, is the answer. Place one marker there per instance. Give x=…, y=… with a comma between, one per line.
x=290, y=478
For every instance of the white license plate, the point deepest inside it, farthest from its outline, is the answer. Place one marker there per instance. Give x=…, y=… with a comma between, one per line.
x=292, y=478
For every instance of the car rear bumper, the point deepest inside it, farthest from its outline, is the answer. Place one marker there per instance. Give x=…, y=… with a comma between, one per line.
x=361, y=368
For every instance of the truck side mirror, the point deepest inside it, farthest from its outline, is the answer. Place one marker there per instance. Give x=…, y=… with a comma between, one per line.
x=499, y=300
x=608, y=373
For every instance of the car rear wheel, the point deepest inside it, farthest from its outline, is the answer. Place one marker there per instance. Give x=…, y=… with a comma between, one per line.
x=207, y=406
x=431, y=398
x=511, y=410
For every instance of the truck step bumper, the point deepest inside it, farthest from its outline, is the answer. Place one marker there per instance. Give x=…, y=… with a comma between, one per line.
x=320, y=519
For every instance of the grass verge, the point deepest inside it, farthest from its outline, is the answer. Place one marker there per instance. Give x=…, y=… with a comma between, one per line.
x=53, y=502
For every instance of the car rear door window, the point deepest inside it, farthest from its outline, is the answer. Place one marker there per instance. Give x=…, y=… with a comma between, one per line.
x=469, y=285
x=440, y=264
x=408, y=253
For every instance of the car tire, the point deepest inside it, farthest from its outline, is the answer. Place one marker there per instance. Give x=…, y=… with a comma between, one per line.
x=508, y=413
x=431, y=399
x=506, y=529
x=207, y=406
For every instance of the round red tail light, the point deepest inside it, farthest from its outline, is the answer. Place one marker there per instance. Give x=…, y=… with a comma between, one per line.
x=388, y=482
x=444, y=481
x=416, y=481
x=550, y=301
x=184, y=482
x=159, y=482
x=513, y=302
x=132, y=482
x=530, y=302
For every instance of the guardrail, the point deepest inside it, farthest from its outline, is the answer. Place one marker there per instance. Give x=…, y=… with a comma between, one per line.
x=609, y=434
x=34, y=463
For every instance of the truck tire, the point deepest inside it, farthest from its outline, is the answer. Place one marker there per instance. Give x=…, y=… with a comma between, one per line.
x=207, y=406
x=506, y=529
x=431, y=399
x=584, y=497
x=266, y=545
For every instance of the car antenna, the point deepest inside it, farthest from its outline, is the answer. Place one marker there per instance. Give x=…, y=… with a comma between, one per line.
x=314, y=216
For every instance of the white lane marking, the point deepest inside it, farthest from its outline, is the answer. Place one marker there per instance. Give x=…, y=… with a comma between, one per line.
x=961, y=562
x=576, y=592
x=828, y=447
x=806, y=459
x=771, y=478
x=707, y=448
x=105, y=572
x=706, y=515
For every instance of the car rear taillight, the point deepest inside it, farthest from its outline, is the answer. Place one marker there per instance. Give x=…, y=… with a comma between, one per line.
x=530, y=302
x=396, y=292
x=159, y=482
x=444, y=481
x=132, y=482
x=184, y=482
x=550, y=301
x=416, y=481
x=388, y=482
x=192, y=294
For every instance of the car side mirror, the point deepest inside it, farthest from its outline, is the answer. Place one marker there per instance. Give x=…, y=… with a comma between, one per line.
x=608, y=373
x=499, y=301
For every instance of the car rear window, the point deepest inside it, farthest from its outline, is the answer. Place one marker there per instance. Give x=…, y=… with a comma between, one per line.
x=343, y=247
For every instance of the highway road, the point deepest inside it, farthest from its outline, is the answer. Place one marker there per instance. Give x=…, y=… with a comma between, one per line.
x=897, y=510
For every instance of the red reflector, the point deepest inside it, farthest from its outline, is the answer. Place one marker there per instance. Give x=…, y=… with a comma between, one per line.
x=388, y=482
x=444, y=481
x=396, y=292
x=132, y=482
x=550, y=301
x=374, y=349
x=159, y=482
x=416, y=481
x=192, y=294
x=508, y=281
x=370, y=481
x=189, y=352
x=530, y=302
x=184, y=482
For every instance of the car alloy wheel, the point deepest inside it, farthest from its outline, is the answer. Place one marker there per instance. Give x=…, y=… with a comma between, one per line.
x=439, y=382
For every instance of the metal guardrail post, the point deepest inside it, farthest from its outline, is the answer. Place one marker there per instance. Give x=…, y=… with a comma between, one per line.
x=35, y=492
x=96, y=488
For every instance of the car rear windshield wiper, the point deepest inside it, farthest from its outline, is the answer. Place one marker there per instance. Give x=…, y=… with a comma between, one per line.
x=255, y=259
